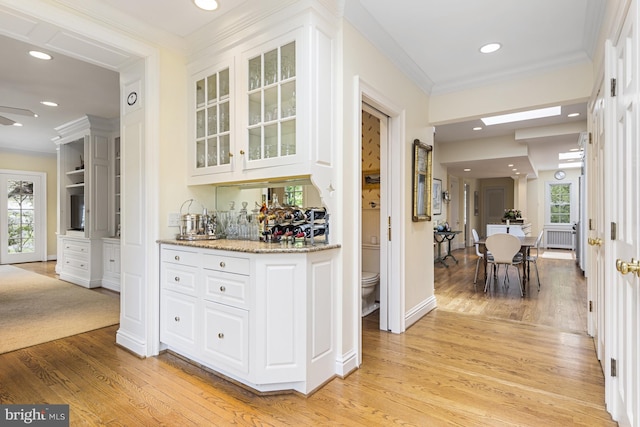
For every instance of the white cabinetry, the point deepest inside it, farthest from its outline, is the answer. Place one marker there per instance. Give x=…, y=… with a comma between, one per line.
x=503, y=228
x=265, y=320
x=84, y=184
x=275, y=121
x=111, y=264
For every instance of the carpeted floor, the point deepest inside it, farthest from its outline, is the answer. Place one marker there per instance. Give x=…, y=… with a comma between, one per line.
x=36, y=309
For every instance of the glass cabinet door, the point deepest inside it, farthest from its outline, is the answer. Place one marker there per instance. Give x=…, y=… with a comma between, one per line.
x=272, y=103
x=212, y=120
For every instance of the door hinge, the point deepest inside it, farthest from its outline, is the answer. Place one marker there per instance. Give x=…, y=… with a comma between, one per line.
x=613, y=231
x=590, y=306
x=613, y=87
x=590, y=138
x=590, y=224
x=614, y=370
x=389, y=228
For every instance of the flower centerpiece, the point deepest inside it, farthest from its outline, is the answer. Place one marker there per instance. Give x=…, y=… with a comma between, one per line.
x=512, y=215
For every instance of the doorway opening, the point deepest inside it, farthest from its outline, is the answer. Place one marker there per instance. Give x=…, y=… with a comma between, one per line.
x=23, y=216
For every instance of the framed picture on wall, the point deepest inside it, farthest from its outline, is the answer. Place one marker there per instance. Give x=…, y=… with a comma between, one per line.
x=436, y=196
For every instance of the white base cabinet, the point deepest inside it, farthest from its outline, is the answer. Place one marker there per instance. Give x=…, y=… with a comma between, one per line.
x=503, y=228
x=111, y=264
x=80, y=261
x=263, y=319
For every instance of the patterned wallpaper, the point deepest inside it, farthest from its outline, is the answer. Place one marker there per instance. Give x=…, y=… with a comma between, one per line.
x=370, y=156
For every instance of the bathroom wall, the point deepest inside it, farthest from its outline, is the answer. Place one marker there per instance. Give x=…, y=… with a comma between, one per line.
x=370, y=164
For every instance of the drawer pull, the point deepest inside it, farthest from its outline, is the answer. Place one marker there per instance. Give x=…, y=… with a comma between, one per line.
x=176, y=279
x=220, y=335
x=177, y=318
x=223, y=289
x=177, y=257
x=222, y=264
x=81, y=265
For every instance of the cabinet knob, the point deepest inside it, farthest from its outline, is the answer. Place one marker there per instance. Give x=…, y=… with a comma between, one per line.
x=222, y=264
x=176, y=279
x=230, y=154
x=177, y=257
x=220, y=335
x=242, y=152
x=222, y=289
x=177, y=318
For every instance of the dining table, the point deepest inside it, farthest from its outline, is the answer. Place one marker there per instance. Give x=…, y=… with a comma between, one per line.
x=526, y=243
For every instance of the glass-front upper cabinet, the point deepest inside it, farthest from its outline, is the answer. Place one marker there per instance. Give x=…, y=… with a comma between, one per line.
x=271, y=120
x=213, y=121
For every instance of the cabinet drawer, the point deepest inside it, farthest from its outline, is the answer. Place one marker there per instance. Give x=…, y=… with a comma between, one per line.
x=226, y=336
x=178, y=321
x=226, y=288
x=179, y=278
x=80, y=264
x=180, y=256
x=76, y=248
x=226, y=263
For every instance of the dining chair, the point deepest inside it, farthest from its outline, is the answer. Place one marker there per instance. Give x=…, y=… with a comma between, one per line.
x=504, y=248
x=479, y=254
x=534, y=258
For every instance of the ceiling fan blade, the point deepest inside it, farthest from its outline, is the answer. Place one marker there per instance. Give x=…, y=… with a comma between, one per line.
x=5, y=121
x=19, y=111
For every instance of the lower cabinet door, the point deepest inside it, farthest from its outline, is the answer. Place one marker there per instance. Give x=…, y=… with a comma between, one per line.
x=178, y=321
x=226, y=336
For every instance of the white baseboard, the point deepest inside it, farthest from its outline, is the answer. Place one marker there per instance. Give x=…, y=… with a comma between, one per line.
x=420, y=310
x=346, y=364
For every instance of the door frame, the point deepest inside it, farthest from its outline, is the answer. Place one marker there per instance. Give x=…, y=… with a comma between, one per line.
x=139, y=329
x=393, y=192
x=40, y=216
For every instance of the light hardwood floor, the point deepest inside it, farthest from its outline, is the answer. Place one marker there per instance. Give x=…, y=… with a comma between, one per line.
x=477, y=360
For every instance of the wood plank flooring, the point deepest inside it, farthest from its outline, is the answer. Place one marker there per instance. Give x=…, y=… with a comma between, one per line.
x=466, y=363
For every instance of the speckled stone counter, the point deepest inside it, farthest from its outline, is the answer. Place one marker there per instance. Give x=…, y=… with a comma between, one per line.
x=249, y=246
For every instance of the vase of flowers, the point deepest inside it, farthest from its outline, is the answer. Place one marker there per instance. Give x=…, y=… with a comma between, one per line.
x=512, y=215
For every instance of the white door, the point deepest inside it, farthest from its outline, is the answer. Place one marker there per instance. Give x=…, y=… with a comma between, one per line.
x=454, y=212
x=23, y=215
x=594, y=165
x=623, y=181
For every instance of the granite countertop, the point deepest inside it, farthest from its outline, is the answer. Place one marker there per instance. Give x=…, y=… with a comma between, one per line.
x=249, y=246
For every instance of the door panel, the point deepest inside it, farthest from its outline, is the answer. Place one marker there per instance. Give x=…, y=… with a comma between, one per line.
x=623, y=179
x=24, y=234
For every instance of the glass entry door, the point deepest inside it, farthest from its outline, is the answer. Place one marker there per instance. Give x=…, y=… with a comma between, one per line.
x=22, y=217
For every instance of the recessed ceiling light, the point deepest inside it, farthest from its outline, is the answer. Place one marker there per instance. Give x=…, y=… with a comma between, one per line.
x=517, y=173
x=206, y=4
x=523, y=115
x=490, y=47
x=467, y=170
x=514, y=169
x=40, y=55
x=510, y=165
x=573, y=115
x=477, y=128
x=49, y=103
x=16, y=124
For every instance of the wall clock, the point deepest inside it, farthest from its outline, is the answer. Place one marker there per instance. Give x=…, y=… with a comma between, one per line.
x=559, y=174
x=132, y=98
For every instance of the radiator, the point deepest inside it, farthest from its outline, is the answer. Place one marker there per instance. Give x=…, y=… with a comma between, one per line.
x=561, y=239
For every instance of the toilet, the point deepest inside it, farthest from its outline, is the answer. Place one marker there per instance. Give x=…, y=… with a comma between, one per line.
x=370, y=283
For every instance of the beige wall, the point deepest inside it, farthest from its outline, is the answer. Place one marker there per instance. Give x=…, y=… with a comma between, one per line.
x=361, y=59
x=38, y=162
